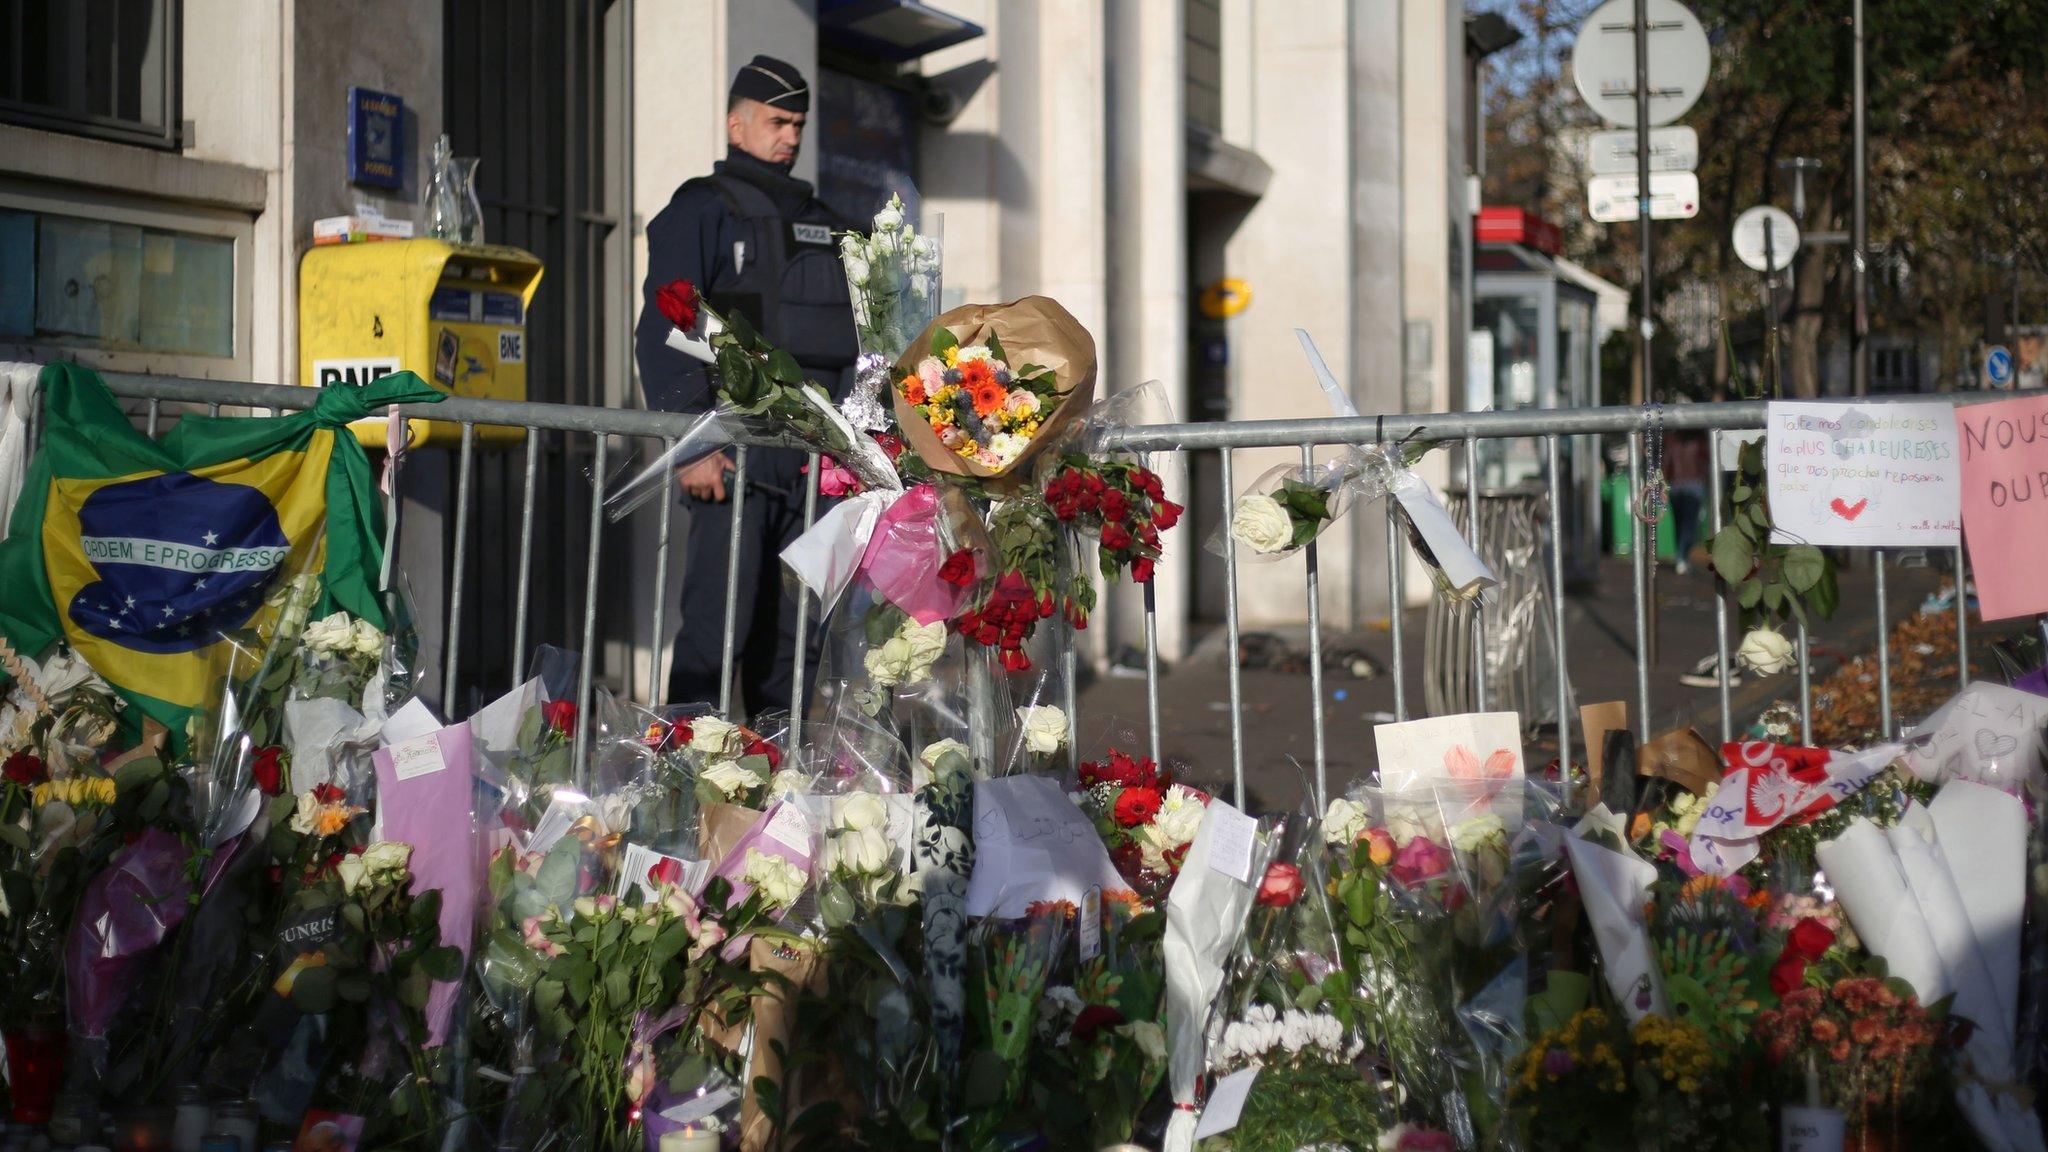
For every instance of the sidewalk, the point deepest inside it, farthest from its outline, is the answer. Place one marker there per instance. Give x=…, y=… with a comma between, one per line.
x=1600, y=650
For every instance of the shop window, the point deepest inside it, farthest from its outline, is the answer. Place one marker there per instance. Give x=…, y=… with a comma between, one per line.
x=114, y=286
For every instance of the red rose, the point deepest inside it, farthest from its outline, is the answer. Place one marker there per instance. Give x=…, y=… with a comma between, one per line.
x=677, y=300
x=328, y=794
x=958, y=570
x=1114, y=505
x=665, y=873
x=890, y=444
x=1141, y=570
x=1136, y=806
x=1281, y=885
x=1788, y=974
x=1128, y=858
x=760, y=747
x=1094, y=1018
x=25, y=769
x=1165, y=514
x=1810, y=939
x=1115, y=536
x=268, y=770
x=560, y=715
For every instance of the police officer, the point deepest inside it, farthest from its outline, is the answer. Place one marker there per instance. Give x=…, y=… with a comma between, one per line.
x=756, y=241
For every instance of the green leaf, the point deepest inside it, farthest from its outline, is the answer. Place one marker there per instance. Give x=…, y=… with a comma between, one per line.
x=14, y=836
x=784, y=368
x=1825, y=596
x=1749, y=592
x=547, y=994
x=1740, y=494
x=313, y=991
x=444, y=964
x=943, y=341
x=1774, y=596
x=1803, y=566
x=1734, y=558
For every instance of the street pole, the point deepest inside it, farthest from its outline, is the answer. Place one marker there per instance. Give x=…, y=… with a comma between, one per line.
x=1643, y=188
x=1859, y=339
x=1771, y=308
x=1646, y=534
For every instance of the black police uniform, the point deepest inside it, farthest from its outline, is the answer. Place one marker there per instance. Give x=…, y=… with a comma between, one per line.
x=758, y=242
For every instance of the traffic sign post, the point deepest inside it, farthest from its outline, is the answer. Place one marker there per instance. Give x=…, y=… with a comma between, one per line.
x=1673, y=149
x=1998, y=366
x=1614, y=200
x=1765, y=238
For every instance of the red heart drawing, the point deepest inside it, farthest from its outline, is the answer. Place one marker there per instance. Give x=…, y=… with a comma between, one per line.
x=1846, y=510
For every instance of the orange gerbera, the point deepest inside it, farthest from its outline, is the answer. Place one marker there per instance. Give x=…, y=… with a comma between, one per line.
x=975, y=373
x=913, y=389
x=989, y=398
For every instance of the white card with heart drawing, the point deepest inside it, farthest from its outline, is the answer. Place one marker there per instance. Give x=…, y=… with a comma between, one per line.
x=1878, y=475
x=1447, y=764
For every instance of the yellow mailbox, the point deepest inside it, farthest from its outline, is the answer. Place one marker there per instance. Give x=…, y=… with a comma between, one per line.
x=454, y=313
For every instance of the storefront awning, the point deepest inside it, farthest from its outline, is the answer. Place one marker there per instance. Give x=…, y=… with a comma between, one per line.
x=892, y=30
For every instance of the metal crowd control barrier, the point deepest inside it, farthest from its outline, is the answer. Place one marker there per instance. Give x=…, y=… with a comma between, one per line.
x=1464, y=430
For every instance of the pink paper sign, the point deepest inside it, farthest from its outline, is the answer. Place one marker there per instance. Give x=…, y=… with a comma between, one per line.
x=2005, y=502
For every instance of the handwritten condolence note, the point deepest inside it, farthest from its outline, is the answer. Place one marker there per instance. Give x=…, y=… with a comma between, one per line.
x=2005, y=502
x=1882, y=475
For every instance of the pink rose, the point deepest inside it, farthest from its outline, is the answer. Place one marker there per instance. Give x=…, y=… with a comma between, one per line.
x=834, y=479
x=1420, y=859
x=931, y=374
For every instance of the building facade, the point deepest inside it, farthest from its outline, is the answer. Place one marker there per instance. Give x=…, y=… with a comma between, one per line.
x=162, y=163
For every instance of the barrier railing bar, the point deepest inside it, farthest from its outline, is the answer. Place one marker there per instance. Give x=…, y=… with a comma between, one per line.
x=803, y=614
x=1884, y=649
x=1721, y=665
x=1641, y=553
x=155, y=409
x=533, y=449
x=657, y=688
x=1151, y=674
x=590, y=570
x=736, y=494
x=1315, y=659
x=1805, y=687
x=1551, y=458
x=1396, y=601
x=1480, y=671
x=465, y=469
x=1962, y=619
x=1230, y=637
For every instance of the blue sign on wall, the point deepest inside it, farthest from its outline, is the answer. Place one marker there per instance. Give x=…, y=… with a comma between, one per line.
x=376, y=139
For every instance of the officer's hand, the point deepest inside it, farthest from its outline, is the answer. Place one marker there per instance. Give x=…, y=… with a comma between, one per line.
x=705, y=479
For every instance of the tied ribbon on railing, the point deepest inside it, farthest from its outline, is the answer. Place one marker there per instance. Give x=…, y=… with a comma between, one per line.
x=1768, y=785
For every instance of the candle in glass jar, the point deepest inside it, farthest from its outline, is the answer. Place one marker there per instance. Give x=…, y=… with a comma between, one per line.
x=690, y=1138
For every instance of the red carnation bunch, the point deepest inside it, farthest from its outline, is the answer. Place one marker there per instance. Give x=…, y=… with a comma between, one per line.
x=1145, y=819
x=1123, y=501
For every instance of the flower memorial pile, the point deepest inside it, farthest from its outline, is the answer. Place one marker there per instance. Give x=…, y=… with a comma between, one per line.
x=939, y=918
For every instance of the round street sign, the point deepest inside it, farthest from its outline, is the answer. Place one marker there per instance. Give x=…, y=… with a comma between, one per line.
x=1604, y=61
x=1751, y=245
x=1998, y=364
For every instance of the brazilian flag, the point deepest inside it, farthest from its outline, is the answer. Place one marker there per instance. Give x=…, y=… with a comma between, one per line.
x=143, y=554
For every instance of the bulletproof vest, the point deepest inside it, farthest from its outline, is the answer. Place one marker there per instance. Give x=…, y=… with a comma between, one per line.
x=790, y=284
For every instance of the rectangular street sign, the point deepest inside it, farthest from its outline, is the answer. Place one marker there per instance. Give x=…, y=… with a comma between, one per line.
x=1674, y=149
x=1673, y=196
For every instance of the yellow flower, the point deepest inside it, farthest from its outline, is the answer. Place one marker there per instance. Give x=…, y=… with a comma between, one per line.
x=76, y=791
x=332, y=819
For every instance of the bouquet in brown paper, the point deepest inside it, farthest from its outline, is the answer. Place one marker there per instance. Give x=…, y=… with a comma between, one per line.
x=988, y=385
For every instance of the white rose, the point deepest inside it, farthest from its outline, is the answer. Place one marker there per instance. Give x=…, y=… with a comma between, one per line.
x=1261, y=524
x=939, y=750
x=790, y=780
x=306, y=816
x=1478, y=832
x=731, y=779
x=1345, y=822
x=888, y=664
x=331, y=634
x=925, y=251
x=352, y=870
x=1045, y=728
x=1765, y=652
x=1149, y=1037
x=711, y=736
x=387, y=858
x=861, y=812
x=864, y=851
x=927, y=643
x=856, y=270
x=889, y=219
x=366, y=639
x=776, y=879
x=585, y=907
